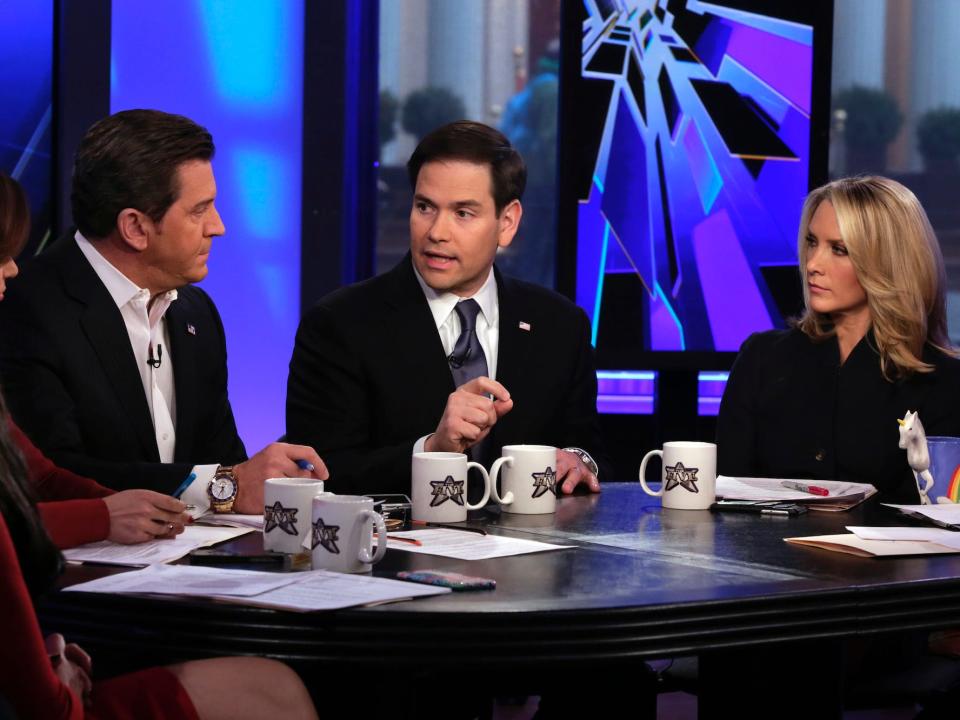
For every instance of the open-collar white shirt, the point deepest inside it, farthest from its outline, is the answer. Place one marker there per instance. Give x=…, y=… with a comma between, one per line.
x=150, y=339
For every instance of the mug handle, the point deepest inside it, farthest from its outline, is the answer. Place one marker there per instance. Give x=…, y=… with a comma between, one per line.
x=643, y=467
x=364, y=554
x=486, y=486
x=494, y=472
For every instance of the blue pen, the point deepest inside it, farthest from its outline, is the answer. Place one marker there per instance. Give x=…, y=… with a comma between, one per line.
x=305, y=465
x=184, y=485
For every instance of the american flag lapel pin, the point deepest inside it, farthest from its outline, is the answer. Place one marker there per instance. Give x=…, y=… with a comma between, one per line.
x=191, y=329
x=525, y=326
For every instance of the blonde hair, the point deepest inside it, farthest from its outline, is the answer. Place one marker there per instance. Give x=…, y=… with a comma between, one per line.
x=898, y=263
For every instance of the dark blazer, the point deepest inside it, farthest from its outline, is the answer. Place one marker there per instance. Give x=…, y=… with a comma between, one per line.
x=791, y=410
x=72, y=383
x=369, y=377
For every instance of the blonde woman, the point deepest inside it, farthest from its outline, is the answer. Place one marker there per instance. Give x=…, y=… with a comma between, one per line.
x=822, y=399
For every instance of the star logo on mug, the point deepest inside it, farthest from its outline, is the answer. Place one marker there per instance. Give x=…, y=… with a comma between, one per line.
x=684, y=477
x=277, y=516
x=326, y=536
x=447, y=489
x=544, y=482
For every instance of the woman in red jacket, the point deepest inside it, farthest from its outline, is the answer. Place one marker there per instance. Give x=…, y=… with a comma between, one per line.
x=74, y=509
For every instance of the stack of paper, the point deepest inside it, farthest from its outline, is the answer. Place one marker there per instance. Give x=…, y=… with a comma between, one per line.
x=154, y=551
x=302, y=592
x=886, y=541
x=841, y=495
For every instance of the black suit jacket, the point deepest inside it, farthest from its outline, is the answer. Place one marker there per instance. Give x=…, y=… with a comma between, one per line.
x=71, y=380
x=369, y=377
x=791, y=410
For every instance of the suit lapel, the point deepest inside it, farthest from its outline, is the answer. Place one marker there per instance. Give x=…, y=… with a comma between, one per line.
x=514, y=343
x=183, y=345
x=412, y=326
x=512, y=358
x=103, y=325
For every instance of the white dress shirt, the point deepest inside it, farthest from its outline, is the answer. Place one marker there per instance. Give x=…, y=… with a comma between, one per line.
x=150, y=339
x=442, y=306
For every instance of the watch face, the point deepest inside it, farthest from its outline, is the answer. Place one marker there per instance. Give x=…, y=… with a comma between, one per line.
x=222, y=488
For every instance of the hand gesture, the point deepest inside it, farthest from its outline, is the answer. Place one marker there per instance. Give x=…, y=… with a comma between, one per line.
x=469, y=416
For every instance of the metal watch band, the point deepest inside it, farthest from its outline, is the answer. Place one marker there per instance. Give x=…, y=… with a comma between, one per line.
x=225, y=506
x=587, y=460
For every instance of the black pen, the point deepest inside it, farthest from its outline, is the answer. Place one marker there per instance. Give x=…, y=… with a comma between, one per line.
x=424, y=523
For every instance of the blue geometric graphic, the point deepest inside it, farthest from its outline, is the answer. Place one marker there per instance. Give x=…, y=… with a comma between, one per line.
x=702, y=162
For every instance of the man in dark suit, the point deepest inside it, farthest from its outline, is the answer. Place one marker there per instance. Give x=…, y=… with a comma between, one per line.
x=112, y=363
x=443, y=353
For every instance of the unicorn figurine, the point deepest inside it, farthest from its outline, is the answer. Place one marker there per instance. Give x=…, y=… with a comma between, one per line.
x=914, y=441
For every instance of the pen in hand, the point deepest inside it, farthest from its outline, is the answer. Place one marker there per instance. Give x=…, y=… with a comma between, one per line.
x=184, y=485
x=804, y=487
x=305, y=465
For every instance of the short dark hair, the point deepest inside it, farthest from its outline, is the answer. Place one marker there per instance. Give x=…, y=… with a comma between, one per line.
x=130, y=160
x=477, y=143
x=14, y=217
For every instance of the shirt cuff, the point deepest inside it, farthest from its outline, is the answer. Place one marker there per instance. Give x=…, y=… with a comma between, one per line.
x=196, y=492
x=419, y=445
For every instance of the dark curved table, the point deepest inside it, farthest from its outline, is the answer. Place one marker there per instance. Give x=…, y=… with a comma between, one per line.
x=642, y=582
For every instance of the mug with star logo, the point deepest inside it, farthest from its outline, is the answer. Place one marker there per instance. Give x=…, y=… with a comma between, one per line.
x=287, y=503
x=689, y=476
x=528, y=479
x=341, y=534
x=439, y=486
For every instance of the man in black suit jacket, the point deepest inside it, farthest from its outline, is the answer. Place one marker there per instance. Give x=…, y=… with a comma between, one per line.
x=111, y=362
x=370, y=379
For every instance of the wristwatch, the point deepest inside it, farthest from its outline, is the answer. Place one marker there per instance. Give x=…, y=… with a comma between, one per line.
x=223, y=489
x=585, y=457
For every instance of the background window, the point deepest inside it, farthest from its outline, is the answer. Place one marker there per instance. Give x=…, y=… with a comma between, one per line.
x=494, y=61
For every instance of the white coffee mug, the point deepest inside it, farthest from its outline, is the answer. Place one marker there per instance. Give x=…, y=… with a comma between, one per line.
x=341, y=534
x=528, y=477
x=287, y=504
x=439, y=489
x=689, y=475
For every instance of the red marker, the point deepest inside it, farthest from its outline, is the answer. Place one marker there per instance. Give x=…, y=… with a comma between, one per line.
x=803, y=487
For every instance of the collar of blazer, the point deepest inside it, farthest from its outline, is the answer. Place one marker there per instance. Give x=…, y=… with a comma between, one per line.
x=104, y=327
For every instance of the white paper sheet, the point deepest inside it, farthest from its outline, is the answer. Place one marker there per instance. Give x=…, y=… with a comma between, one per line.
x=759, y=489
x=467, y=545
x=232, y=520
x=948, y=513
x=190, y=580
x=300, y=591
x=154, y=551
x=324, y=590
x=947, y=538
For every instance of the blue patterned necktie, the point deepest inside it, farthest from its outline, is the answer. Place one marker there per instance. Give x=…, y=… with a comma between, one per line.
x=467, y=361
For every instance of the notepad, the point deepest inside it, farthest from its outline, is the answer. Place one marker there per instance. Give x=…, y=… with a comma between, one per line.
x=467, y=545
